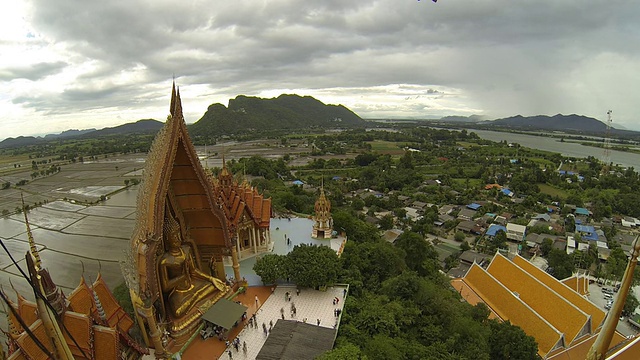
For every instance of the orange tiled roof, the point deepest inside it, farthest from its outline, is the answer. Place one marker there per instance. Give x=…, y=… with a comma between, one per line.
x=18, y=355
x=106, y=343
x=470, y=296
x=239, y=199
x=597, y=315
x=630, y=351
x=579, y=349
x=563, y=315
x=579, y=284
x=116, y=316
x=509, y=307
x=29, y=347
x=27, y=310
x=79, y=325
x=81, y=299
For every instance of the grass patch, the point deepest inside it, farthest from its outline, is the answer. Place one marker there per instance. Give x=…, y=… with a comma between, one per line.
x=552, y=191
x=387, y=147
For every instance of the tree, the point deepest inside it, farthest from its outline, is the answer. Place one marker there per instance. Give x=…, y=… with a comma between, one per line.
x=313, y=266
x=499, y=241
x=347, y=351
x=459, y=236
x=270, y=268
x=630, y=304
x=560, y=264
x=420, y=256
x=386, y=222
x=511, y=342
x=546, y=246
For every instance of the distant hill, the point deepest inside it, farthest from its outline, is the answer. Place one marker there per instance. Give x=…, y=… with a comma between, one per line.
x=463, y=119
x=20, y=141
x=570, y=123
x=144, y=126
x=246, y=114
x=67, y=133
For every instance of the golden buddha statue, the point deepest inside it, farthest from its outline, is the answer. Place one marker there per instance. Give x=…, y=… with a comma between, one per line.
x=183, y=284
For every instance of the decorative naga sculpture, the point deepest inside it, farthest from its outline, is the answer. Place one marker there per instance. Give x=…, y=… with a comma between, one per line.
x=183, y=284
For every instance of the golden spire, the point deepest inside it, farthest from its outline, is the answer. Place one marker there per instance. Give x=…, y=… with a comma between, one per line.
x=32, y=244
x=177, y=110
x=173, y=98
x=600, y=347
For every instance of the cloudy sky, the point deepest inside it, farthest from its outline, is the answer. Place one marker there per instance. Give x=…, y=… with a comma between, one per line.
x=91, y=64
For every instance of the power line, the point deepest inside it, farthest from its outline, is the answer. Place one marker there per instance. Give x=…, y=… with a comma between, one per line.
x=38, y=294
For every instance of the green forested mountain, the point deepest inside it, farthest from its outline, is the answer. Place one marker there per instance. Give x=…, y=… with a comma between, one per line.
x=246, y=114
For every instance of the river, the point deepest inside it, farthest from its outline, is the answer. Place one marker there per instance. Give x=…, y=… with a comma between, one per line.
x=570, y=149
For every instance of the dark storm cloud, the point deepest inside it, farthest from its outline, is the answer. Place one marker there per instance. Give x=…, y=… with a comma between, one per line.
x=32, y=72
x=507, y=57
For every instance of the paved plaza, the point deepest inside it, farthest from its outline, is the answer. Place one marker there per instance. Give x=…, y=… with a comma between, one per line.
x=310, y=305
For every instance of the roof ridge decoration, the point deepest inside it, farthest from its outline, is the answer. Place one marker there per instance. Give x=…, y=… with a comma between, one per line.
x=33, y=250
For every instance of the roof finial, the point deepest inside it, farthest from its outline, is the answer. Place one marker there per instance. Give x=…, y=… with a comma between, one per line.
x=177, y=111
x=32, y=244
x=173, y=97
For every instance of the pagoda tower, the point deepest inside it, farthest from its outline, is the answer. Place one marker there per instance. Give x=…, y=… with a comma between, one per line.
x=323, y=223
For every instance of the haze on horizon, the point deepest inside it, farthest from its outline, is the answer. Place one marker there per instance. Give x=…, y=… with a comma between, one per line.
x=77, y=65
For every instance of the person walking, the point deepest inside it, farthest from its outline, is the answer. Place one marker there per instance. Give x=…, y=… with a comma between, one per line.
x=244, y=348
x=318, y=321
x=230, y=354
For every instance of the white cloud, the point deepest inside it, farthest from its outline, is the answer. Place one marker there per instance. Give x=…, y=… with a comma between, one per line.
x=76, y=64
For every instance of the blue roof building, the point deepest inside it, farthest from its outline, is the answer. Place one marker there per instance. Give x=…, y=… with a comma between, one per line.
x=582, y=211
x=494, y=228
x=587, y=232
x=474, y=206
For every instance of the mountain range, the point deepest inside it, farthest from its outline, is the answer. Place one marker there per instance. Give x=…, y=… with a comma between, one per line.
x=252, y=114
x=145, y=126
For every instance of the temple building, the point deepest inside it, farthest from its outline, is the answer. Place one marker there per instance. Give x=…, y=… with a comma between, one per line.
x=247, y=212
x=564, y=323
x=87, y=324
x=175, y=271
x=323, y=223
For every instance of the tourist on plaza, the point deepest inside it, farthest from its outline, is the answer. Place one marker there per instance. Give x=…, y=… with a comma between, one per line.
x=344, y=292
x=298, y=292
x=230, y=355
x=318, y=322
x=244, y=348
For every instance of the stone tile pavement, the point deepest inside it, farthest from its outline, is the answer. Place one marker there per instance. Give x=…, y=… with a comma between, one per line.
x=310, y=305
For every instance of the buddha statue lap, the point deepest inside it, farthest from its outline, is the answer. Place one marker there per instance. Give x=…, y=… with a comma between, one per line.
x=184, y=285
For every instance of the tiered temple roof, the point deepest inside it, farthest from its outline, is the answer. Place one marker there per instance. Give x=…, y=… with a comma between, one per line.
x=98, y=337
x=564, y=323
x=237, y=199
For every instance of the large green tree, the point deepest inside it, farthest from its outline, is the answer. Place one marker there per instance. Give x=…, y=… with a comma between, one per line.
x=420, y=256
x=313, y=266
x=561, y=264
x=270, y=268
x=511, y=342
